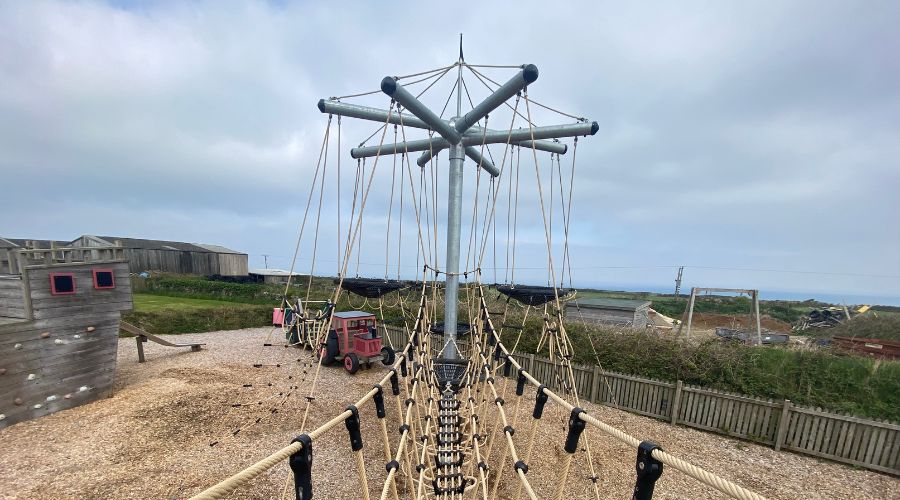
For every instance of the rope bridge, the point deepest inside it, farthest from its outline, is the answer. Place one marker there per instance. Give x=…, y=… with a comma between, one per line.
x=459, y=432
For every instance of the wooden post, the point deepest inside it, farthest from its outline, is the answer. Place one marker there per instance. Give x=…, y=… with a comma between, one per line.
x=676, y=401
x=595, y=383
x=26, y=287
x=756, y=313
x=782, y=424
x=140, y=347
x=690, y=312
x=530, y=363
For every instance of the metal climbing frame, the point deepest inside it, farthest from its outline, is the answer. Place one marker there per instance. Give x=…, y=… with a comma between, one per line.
x=458, y=136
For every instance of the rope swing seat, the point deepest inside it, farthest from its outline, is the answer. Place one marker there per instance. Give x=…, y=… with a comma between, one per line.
x=372, y=288
x=534, y=295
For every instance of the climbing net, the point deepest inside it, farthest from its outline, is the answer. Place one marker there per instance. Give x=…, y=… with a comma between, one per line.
x=464, y=425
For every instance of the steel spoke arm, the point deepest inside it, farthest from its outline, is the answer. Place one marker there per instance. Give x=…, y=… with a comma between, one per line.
x=473, y=153
x=368, y=113
x=390, y=87
x=495, y=137
x=528, y=75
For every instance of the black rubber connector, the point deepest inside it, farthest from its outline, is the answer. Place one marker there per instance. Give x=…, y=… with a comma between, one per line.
x=353, y=429
x=301, y=465
x=403, y=427
x=540, y=399
x=403, y=370
x=392, y=465
x=648, y=471
x=522, y=466
x=378, y=398
x=576, y=427
x=510, y=430
x=520, y=383
x=395, y=383
x=499, y=401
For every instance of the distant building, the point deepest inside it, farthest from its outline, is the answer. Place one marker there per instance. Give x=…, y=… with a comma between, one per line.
x=276, y=276
x=621, y=312
x=153, y=255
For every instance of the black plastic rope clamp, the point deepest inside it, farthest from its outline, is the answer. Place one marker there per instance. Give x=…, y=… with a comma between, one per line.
x=378, y=398
x=392, y=465
x=522, y=466
x=510, y=430
x=353, y=429
x=410, y=401
x=520, y=383
x=540, y=399
x=403, y=427
x=420, y=468
x=403, y=370
x=497, y=352
x=395, y=383
x=648, y=471
x=576, y=427
x=483, y=466
x=301, y=465
x=507, y=366
x=499, y=401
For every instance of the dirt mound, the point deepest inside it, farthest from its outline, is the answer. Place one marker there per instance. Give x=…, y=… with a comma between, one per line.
x=738, y=322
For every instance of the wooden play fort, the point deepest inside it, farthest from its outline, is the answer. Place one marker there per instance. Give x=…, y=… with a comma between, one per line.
x=59, y=326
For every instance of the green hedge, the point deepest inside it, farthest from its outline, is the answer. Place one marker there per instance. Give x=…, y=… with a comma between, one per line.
x=169, y=321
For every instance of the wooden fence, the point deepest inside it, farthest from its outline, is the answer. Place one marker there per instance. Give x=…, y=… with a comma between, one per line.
x=783, y=425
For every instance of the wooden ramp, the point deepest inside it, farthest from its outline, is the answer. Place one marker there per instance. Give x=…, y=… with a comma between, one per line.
x=142, y=336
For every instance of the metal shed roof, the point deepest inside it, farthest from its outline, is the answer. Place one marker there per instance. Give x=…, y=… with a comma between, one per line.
x=140, y=243
x=352, y=314
x=618, y=304
x=273, y=272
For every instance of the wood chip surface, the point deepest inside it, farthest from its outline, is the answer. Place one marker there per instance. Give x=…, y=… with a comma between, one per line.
x=151, y=438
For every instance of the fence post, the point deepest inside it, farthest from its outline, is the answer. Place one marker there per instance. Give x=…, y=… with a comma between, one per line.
x=676, y=401
x=782, y=424
x=530, y=363
x=595, y=383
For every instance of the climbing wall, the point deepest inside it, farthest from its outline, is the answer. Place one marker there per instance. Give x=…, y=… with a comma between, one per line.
x=66, y=354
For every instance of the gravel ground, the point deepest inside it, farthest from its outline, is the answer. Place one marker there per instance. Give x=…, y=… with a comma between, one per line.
x=152, y=438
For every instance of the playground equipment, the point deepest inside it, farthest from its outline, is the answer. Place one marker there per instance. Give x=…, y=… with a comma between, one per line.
x=141, y=336
x=355, y=339
x=301, y=324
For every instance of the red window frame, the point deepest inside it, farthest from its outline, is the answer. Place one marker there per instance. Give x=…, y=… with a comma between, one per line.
x=53, y=290
x=103, y=270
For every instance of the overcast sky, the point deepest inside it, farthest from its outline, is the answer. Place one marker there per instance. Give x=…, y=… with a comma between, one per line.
x=757, y=143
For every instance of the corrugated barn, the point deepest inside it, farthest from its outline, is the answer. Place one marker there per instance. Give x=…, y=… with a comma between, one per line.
x=151, y=255
x=621, y=312
x=173, y=256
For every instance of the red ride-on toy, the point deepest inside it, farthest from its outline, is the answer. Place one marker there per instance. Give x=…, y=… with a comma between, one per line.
x=354, y=339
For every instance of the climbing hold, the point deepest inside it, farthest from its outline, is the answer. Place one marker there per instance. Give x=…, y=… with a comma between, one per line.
x=31, y=376
x=37, y=406
x=18, y=401
x=52, y=398
x=2, y=416
x=58, y=341
x=90, y=329
x=45, y=335
x=77, y=336
x=18, y=346
x=82, y=388
x=68, y=396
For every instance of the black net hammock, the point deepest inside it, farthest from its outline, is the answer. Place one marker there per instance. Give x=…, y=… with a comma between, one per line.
x=533, y=295
x=372, y=288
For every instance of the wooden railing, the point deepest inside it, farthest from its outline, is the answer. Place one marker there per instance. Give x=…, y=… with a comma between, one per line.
x=843, y=438
x=12, y=259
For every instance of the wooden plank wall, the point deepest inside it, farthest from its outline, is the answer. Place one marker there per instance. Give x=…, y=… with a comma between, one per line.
x=861, y=442
x=87, y=299
x=185, y=262
x=12, y=298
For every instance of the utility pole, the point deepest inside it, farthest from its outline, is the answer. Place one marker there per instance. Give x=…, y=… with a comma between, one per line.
x=266, y=258
x=678, y=282
x=460, y=136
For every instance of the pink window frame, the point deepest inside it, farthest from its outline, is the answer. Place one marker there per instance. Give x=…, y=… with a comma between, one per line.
x=53, y=290
x=102, y=270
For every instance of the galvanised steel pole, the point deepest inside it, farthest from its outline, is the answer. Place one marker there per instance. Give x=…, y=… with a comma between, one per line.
x=454, y=220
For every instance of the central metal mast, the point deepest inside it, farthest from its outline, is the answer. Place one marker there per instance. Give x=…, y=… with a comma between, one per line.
x=459, y=136
x=454, y=221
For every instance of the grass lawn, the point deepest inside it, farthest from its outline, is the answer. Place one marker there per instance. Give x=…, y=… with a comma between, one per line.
x=151, y=303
